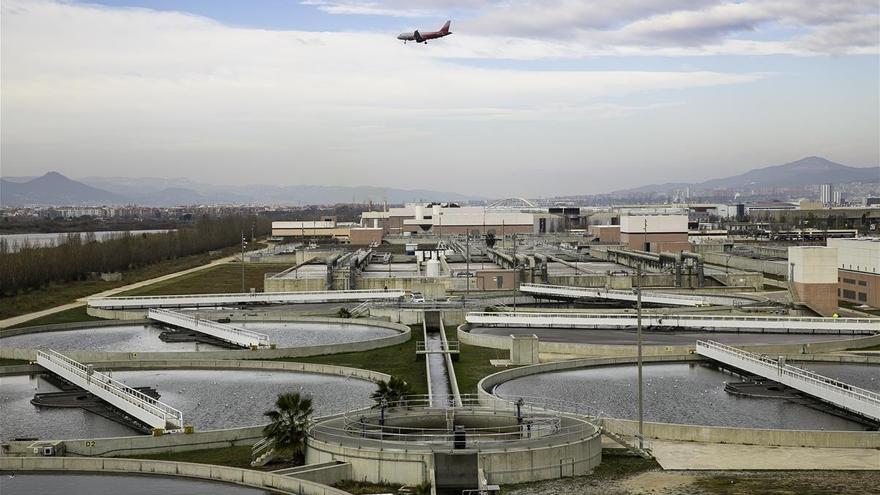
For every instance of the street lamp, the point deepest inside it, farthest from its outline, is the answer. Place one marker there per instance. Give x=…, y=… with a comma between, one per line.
x=243, y=244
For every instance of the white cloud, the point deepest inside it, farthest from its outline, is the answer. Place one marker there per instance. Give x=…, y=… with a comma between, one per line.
x=96, y=90
x=646, y=27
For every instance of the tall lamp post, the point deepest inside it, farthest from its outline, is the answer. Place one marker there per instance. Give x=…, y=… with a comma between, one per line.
x=467, y=264
x=243, y=244
x=639, y=343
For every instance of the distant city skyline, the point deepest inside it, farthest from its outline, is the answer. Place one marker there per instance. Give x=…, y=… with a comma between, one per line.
x=526, y=98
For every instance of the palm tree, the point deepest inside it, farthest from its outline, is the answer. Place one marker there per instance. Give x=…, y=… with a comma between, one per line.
x=289, y=420
x=394, y=390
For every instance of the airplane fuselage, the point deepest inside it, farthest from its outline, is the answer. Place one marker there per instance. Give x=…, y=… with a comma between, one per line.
x=420, y=37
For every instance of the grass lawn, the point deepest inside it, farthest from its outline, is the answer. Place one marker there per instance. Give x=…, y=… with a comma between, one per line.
x=473, y=363
x=222, y=278
x=399, y=360
x=67, y=316
x=238, y=456
x=364, y=488
x=63, y=293
x=12, y=362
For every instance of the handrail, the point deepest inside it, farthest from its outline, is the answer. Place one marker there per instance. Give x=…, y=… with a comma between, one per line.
x=787, y=369
x=616, y=291
x=105, y=382
x=261, y=338
x=254, y=295
x=832, y=321
x=453, y=346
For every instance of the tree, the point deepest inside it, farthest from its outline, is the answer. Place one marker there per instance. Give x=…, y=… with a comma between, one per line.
x=394, y=390
x=490, y=239
x=289, y=421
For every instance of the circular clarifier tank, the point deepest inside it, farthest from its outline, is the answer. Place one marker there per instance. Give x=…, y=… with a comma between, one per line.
x=208, y=399
x=113, y=484
x=608, y=336
x=145, y=337
x=688, y=393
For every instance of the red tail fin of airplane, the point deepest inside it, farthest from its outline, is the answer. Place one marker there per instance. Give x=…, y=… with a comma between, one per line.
x=445, y=28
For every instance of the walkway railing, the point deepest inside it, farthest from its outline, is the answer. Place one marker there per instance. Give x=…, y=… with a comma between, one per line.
x=652, y=297
x=856, y=399
x=622, y=320
x=133, y=402
x=227, y=333
x=422, y=347
x=213, y=300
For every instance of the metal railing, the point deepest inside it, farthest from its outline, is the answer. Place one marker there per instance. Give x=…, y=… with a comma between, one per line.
x=99, y=383
x=365, y=424
x=869, y=325
x=453, y=346
x=178, y=300
x=774, y=368
x=228, y=333
x=647, y=296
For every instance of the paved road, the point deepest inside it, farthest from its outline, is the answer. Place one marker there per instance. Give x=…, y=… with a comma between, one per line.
x=17, y=320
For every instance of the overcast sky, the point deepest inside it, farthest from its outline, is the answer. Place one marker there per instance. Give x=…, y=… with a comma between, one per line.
x=526, y=98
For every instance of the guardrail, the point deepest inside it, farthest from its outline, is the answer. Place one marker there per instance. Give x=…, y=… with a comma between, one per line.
x=842, y=394
x=631, y=295
x=228, y=333
x=137, y=404
x=816, y=325
x=198, y=300
x=366, y=424
x=453, y=347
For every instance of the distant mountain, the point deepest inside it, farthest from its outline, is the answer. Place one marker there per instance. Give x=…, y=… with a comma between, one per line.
x=54, y=189
x=803, y=172
x=159, y=191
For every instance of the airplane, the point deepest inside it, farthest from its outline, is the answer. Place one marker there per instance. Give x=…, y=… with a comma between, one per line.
x=424, y=37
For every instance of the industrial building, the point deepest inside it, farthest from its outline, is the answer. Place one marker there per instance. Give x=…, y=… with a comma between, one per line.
x=449, y=218
x=655, y=231
x=858, y=274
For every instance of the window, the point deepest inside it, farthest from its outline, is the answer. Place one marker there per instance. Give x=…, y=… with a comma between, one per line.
x=863, y=296
x=849, y=281
x=849, y=294
x=863, y=283
x=499, y=281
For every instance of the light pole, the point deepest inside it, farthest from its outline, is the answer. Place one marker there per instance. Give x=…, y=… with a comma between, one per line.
x=467, y=262
x=515, y=273
x=243, y=244
x=639, y=343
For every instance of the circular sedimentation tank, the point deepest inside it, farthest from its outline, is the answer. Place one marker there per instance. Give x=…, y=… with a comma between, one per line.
x=145, y=337
x=113, y=484
x=690, y=393
x=514, y=443
x=208, y=399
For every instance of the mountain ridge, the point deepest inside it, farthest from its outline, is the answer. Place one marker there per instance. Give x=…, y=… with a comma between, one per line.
x=803, y=172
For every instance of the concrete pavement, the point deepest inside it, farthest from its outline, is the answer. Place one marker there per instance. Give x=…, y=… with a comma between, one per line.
x=17, y=320
x=713, y=456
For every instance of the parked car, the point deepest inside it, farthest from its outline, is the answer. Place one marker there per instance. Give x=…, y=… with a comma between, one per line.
x=418, y=297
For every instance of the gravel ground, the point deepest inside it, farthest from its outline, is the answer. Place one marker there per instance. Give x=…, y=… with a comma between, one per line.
x=641, y=481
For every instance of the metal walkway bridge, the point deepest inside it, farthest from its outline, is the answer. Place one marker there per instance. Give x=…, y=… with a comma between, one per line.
x=136, y=404
x=855, y=399
x=650, y=297
x=775, y=324
x=246, y=298
x=227, y=333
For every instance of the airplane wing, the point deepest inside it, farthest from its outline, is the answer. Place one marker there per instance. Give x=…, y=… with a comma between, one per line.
x=418, y=36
